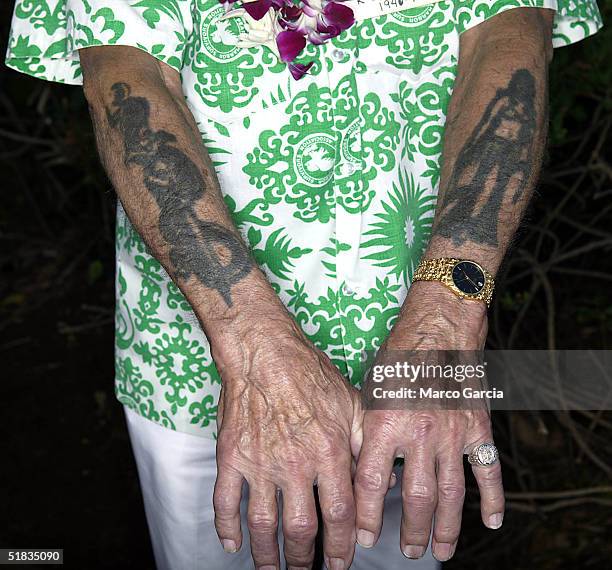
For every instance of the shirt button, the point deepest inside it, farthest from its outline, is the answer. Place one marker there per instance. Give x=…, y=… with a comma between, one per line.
x=338, y=54
x=345, y=169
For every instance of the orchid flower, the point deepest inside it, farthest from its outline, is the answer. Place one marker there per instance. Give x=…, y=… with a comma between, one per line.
x=285, y=27
x=320, y=20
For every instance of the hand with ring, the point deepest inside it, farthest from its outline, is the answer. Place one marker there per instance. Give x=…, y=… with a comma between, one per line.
x=432, y=443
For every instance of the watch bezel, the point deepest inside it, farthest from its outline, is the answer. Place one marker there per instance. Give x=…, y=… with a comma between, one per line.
x=480, y=292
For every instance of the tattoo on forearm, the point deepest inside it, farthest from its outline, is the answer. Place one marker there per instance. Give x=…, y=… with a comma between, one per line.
x=206, y=250
x=497, y=161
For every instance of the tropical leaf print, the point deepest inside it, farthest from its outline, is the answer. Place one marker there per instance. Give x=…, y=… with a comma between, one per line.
x=402, y=229
x=26, y=56
x=155, y=8
x=40, y=15
x=277, y=253
x=204, y=412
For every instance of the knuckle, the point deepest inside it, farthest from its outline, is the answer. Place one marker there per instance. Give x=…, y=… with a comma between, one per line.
x=481, y=428
x=261, y=523
x=223, y=503
x=327, y=448
x=451, y=493
x=424, y=425
x=383, y=427
x=292, y=455
x=298, y=556
x=491, y=477
x=339, y=512
x=420, y=496
x=446, y=534
x=370, y=482
x=302, y=527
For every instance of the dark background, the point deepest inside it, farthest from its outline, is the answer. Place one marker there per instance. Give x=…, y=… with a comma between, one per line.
x=67, y=478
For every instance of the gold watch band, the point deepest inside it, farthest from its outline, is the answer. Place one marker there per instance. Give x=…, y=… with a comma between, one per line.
x=441, y=269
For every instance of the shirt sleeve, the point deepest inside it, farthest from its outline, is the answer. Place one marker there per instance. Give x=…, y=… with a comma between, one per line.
x=574, y=19
x=45, y=36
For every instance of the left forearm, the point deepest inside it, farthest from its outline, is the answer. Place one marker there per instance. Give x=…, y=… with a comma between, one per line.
x=495, y=137
x=493, y=147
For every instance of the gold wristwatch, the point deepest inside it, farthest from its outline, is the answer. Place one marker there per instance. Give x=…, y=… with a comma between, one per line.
x=464, y=278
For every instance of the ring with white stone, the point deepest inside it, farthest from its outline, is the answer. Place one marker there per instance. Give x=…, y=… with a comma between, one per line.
x=484, y=455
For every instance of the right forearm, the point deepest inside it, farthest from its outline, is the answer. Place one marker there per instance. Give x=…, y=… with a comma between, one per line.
x=151, y=150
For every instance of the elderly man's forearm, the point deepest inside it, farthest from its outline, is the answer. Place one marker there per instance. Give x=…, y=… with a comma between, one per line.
x=495, y=137
x=152, y=152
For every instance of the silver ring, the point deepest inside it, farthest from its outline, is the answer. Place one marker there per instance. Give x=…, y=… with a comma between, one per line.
x=484, y=455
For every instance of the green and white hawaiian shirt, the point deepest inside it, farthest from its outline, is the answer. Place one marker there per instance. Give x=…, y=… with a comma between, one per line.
x=331, y=179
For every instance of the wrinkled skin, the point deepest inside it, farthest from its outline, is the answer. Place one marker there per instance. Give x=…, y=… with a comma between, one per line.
x=432, y=442
x=287, y=420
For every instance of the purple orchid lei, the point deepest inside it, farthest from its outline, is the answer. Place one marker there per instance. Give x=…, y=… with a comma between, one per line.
x=286, y=25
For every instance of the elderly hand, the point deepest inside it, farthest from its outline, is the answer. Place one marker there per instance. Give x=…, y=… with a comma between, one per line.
x=432, y=442
x=286, y=420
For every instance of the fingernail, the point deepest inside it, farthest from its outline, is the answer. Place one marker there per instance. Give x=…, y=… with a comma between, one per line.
x=413, y=551
x=228, y=545
x=495, y=521
x=267, y=567
x=443, y=551
x=365, y=538
x=336, y=564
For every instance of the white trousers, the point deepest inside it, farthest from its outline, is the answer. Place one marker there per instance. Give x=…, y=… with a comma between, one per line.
x=177, y=474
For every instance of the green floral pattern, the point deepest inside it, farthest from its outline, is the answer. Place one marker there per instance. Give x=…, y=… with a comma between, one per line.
x=332, y=179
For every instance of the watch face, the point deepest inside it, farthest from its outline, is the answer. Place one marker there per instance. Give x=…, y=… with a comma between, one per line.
x=468, y=277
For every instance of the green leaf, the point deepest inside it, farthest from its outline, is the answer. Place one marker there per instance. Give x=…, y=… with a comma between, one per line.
x=58, y=47
x=222, y=129
x=174, y=62
x=254, y=236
